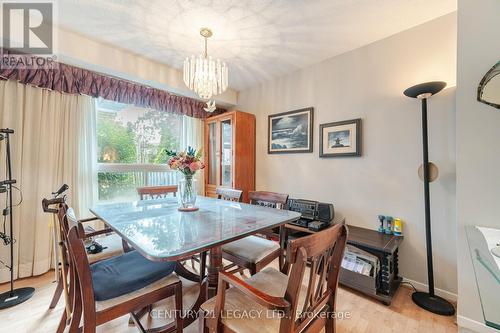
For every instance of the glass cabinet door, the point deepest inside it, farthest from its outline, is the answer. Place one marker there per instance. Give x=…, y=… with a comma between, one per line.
x=227, y=153
x=212, y=153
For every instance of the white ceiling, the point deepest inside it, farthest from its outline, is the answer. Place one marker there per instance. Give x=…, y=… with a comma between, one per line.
x=258, y=39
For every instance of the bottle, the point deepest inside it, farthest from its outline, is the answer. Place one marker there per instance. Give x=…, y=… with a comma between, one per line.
x=398, y=227
x=381, y=219
x=388, y=228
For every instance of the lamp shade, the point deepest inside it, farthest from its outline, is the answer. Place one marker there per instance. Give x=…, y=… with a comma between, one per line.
x=424, y=90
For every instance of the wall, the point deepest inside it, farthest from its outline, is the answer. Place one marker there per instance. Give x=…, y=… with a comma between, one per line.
x=478, y=135
x=368, y=83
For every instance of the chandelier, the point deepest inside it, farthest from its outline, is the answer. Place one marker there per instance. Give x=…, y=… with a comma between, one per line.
x=203, y=74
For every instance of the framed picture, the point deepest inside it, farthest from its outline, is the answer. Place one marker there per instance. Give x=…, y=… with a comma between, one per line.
x=342, y=138
x=290, y=132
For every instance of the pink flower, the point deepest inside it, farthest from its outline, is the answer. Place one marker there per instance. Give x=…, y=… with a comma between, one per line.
x=194, y=166
x=187, y=162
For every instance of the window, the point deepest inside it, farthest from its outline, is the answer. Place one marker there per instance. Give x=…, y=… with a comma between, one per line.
x=131, y=145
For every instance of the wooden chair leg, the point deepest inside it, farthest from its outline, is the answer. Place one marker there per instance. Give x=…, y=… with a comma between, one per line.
x=57, y=294
x=76, y=314
x=253, y=270
x=330, y=319
x=141, y=313
x=62, y=323
x=137, y=322
x=75, y=321
x=330, y=324
x=203, y=324
x=179, y=319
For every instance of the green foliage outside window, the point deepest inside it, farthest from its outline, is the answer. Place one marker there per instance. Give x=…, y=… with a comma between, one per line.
x=141, y=136
x=116, y=144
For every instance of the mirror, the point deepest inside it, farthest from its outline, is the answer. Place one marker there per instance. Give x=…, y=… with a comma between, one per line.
x=488, y=91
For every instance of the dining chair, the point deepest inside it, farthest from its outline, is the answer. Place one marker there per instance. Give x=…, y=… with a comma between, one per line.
x=229, y=194
x=118, y=286
x=64, y=284
x=285, y=304
x=254, y=252
x=156, y=192
x=268, y=199
x=112, y=244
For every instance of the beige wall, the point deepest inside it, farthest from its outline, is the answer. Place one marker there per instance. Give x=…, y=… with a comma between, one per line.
x=478, y=137
x=368, y=83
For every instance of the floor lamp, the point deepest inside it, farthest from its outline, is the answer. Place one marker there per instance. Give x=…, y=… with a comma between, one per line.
x=428, y=301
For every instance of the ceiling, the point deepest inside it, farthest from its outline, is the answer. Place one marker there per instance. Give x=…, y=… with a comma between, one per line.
x=258, y=39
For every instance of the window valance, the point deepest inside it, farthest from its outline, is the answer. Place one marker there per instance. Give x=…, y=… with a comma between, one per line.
x=74, y=80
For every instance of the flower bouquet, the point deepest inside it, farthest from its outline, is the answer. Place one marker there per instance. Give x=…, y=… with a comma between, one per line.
x=187, y=162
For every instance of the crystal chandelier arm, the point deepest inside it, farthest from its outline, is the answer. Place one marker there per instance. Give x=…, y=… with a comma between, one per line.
x=206, y=47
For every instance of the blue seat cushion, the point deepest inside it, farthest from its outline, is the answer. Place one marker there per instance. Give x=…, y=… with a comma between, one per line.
x=126, y=273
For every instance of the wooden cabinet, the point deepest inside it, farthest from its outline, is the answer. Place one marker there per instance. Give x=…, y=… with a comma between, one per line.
x=230, y=152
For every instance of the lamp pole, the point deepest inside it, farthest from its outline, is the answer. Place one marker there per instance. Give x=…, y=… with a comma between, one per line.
x=428, y=239
x=428, y=300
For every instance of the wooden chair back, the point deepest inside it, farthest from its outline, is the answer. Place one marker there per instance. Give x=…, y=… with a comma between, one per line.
x=156, y=192
x=229, y=194
x=272, y=200
x=324, y=251
x=63, y=222
x=81, y=296
x=79, y=261
x=268, y=199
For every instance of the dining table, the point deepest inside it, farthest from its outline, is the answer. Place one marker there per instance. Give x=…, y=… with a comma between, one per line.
x=160, y=232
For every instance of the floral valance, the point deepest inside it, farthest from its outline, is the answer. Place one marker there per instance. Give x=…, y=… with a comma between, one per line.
x=74, y=80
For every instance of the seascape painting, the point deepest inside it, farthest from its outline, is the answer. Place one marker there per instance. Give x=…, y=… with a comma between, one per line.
x=340, y=139
x=291, y=132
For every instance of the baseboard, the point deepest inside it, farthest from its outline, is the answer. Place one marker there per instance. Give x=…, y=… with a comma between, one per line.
x=440, y=292
x=468, y=325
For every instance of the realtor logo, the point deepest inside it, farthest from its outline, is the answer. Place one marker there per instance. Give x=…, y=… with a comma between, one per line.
x=28, y=27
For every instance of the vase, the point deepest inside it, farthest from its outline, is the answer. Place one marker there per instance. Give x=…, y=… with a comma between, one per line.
x=187, y=192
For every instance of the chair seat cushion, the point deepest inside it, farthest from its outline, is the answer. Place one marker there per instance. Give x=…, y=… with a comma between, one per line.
x=163, y=282
x=270, y=281
x=113, y=247
x=252, y=248
x=126, y=273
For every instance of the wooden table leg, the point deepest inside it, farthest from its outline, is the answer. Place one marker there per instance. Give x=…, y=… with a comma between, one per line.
x=193, y=313
x=214, y=267
x=284, y=233
x=210, y=282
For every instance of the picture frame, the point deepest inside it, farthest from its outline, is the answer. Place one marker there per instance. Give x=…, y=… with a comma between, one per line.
x=290, y=132
x=340, y=139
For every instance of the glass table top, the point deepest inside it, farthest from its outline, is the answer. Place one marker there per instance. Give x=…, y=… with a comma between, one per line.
x=160, y=232
x=487, y=270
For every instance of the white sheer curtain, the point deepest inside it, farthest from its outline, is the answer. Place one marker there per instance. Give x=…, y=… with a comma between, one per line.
x=54, y=143
x=192, y=135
